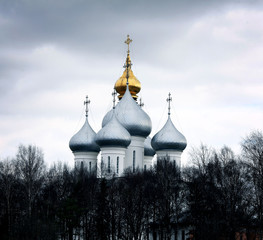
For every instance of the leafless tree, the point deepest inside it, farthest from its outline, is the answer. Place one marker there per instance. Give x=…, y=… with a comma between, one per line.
x=252, y=151
x=30, y=168
x=7, y=180
x=201, y=156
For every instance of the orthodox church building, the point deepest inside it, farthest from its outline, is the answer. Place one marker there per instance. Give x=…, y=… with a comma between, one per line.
x=123, y=141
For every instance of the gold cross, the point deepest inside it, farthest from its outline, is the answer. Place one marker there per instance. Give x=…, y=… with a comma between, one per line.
x=128, y=41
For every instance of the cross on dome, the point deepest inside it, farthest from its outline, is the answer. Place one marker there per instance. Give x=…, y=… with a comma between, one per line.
x=114, y=93
x=128, y=64
x=87, y=102
x=128, y=79
x=141, y=103
x=169, y=99
x=128, y=41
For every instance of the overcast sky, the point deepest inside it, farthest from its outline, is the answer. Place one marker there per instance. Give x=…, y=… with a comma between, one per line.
x=208, y=54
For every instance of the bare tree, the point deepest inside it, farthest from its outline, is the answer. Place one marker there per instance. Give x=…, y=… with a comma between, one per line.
x=201, y=156
x=252, y=151
x=7, y=179
x=30, y=168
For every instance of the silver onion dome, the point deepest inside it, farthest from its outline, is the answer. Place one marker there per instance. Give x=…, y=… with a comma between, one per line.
x=131, y=116
x=107, y=117
x=148, y=150
x=84, y=140
x=169, y=138
x=113, y=134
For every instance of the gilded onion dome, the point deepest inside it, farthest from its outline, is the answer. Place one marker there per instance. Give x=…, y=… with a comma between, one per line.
x=131, y=116
x=169, y=138
x=113, y=134
x=134, y=83
x=148, y=150
x=127, y=111
x=84, y=140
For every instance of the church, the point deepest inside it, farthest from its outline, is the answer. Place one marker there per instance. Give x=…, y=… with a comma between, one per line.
x=123, y=142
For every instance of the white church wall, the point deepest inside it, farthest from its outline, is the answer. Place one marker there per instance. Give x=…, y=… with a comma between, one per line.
x=171, y=155
x=86, y=160
x=135, y=153
x=112, y=161
x=147, y=162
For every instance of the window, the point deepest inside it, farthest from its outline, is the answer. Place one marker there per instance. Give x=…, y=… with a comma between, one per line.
x=133, y=164
x=108, y=164
x=81, y=164
x=90, y=166
x=145, y=167
x=117, y=165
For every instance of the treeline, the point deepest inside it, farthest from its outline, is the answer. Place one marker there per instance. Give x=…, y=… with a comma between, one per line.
x=218, y=195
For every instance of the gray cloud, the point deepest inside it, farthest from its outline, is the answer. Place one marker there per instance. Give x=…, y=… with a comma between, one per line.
x=53, y=53
x=91, y=23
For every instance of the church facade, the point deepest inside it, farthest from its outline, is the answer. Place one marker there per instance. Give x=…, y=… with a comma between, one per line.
x=123, y=141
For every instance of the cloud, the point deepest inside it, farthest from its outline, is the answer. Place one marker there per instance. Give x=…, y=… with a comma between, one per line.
x=208, y=54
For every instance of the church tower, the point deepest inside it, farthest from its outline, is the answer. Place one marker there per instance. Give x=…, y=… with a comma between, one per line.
x=123, y=141
x=84, y=147
x=169, y=143
x=131, y=115
x=113, y=140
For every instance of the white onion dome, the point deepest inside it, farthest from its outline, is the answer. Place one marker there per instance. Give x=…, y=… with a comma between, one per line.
x=148, y=150
x=84, y=140
x=113, y=134
x=131, y=116
x=169, y=138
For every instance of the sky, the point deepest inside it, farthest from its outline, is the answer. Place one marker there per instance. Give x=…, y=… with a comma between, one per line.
x=207, y=54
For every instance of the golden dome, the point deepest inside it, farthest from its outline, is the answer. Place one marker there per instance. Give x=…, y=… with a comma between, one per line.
x=134, y=83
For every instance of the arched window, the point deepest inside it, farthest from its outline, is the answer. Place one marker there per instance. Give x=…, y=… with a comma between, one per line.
x=117, y=165
x=145, y=167
x=90, y=166
x=81, y=164
x=133, y=162
x=108, y=164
